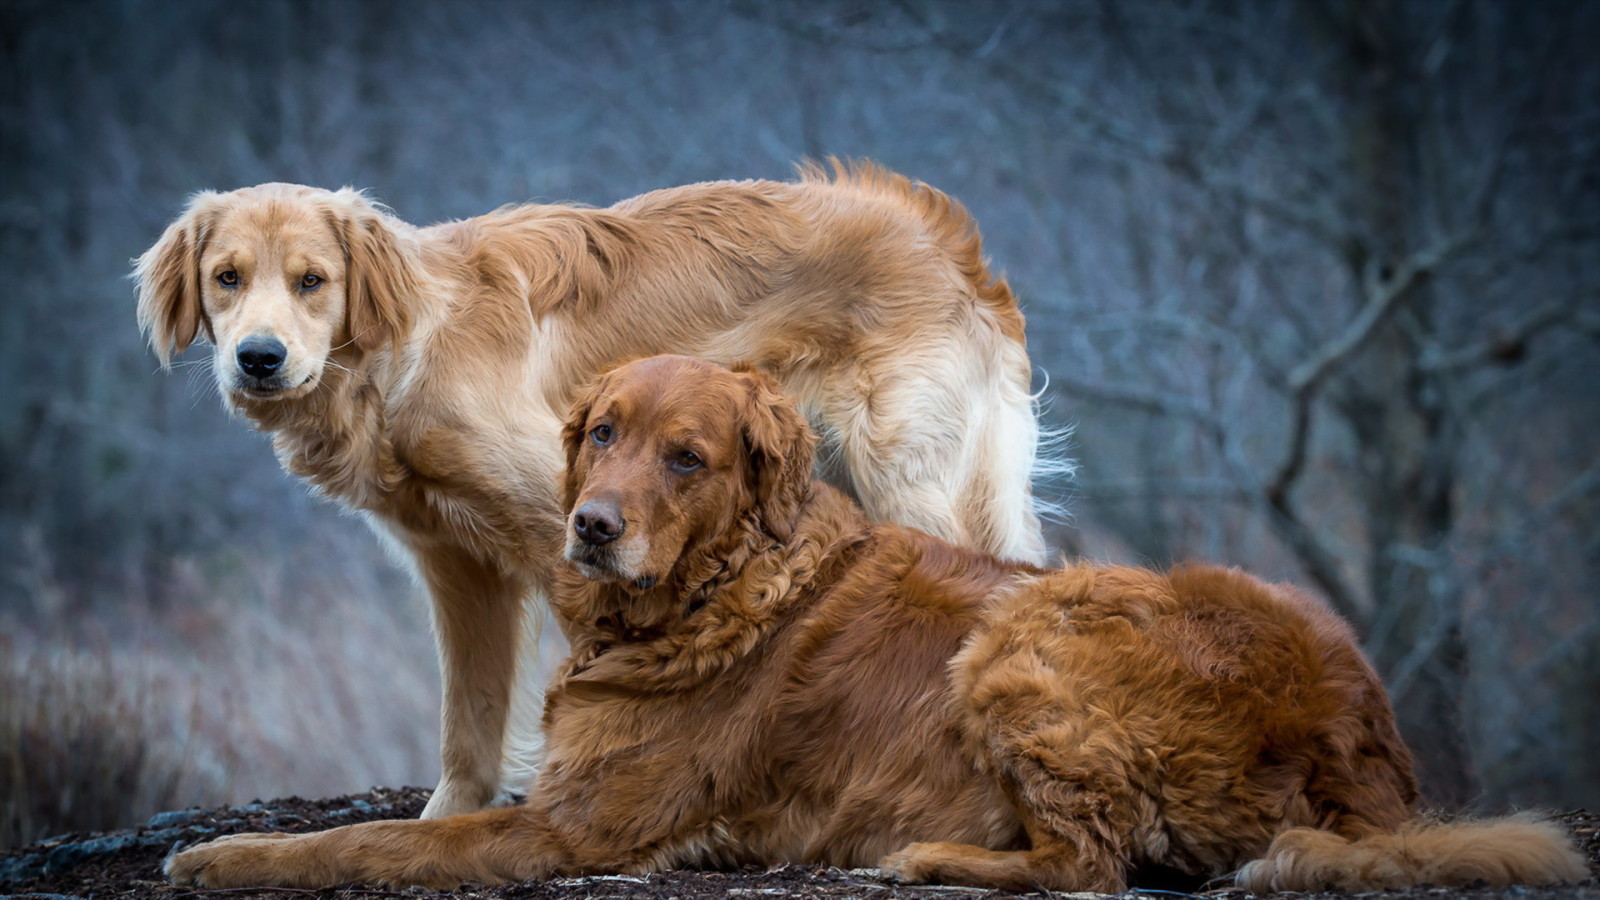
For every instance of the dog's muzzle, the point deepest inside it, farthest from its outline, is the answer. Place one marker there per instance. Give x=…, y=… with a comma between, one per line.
x=598, y=522
x=260, y=358
x=260, y=365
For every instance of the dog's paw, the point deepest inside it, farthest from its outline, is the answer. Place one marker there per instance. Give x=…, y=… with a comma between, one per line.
x=909, y=865
x=238, y=860
x=455, y=798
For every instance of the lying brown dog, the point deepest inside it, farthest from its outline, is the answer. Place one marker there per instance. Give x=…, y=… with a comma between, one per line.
x=760, y=675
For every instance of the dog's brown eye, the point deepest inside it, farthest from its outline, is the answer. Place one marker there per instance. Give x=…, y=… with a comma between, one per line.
x=228, y=278
x=310, y=280
x=686, y=462
x=600, y=434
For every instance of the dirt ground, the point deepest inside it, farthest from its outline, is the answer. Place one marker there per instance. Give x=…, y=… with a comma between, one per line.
x=127, y=864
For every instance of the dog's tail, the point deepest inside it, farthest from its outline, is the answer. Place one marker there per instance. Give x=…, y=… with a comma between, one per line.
x=1520, y=849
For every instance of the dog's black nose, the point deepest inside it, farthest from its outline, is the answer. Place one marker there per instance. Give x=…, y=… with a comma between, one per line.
x=597, y=522
x=260, y=357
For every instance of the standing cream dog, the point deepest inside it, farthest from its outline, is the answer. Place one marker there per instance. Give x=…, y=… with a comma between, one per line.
x=420, y=374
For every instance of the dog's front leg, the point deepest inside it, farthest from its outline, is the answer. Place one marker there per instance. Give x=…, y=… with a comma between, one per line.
x=493, y=846
x=477, y=610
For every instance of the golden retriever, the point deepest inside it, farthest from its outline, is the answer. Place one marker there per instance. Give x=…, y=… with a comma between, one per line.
x=420, y=375
x=759, y=675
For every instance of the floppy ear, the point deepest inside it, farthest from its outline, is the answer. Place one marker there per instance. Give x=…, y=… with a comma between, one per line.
x=573, y=433
x=380, y=275
x=782, y=449
x=169, y=281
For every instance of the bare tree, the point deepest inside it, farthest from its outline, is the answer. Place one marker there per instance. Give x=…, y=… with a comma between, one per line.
x=1356, y=240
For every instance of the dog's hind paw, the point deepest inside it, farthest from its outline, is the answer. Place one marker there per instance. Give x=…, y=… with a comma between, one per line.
x=942, y=862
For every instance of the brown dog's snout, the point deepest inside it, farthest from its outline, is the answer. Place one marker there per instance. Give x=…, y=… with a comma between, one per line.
x=598, y=522
x=261, y=357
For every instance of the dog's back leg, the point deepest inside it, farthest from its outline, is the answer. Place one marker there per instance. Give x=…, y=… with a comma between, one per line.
x=1050, y=714
x=949, y=452
x=1068, y=783
x=1076, y=823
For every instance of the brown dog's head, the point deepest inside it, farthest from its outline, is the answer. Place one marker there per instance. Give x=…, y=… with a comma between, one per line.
x=278, y=277
x=667, y=454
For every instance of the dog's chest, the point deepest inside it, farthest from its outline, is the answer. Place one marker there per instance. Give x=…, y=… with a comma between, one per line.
x=613, y=732
x=482, y=487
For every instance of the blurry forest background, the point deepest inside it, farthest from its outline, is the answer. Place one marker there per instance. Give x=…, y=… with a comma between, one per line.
x=1317, y=283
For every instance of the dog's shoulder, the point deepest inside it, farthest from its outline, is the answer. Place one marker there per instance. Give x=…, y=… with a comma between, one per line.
x=900, y=596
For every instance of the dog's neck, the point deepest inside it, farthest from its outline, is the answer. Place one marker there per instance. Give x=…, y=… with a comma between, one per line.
x=719, y=603
x=335, y=437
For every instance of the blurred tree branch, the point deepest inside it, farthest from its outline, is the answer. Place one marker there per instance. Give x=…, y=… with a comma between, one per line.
x=1366, y=164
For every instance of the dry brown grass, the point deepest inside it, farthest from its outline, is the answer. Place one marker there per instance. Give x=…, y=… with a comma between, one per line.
x=247, y=677
x=85, y=741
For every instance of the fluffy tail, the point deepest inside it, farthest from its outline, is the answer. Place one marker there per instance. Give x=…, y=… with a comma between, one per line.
x=1522, y=849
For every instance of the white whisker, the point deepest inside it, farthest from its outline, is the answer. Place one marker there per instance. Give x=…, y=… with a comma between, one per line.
x=346, y=343
x=201, y=378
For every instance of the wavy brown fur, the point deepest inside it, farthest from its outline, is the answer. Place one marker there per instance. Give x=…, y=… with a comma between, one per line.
x=819, y=689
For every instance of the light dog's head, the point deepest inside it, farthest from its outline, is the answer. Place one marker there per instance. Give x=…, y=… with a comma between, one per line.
x=667, y=455
x=281, y=279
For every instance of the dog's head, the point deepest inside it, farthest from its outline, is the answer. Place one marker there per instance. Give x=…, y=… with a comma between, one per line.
x=280, y=278
x=667, y=455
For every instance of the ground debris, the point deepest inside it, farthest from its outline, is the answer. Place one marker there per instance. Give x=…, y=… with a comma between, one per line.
x=127, y=864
